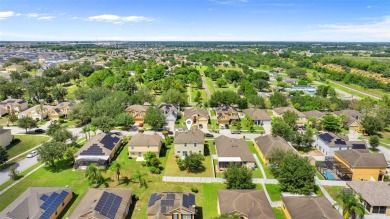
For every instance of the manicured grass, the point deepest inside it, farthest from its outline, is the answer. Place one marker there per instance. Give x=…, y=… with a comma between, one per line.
x=244, y=129
x=210, y=199
x=201, y=68
x=9, y=182
x=274, y=192
x=70, y=123
x=213, y=124
x=210, y=85
x=333, y=191
x=319, y=175
x=336, y=86
x=26, y=143
x=279, y=214
x=172, y=169
x=265, y=167
x=194, y=90
x=3, y=121
x=179, y=123
x=226, y=68
x=212, y=112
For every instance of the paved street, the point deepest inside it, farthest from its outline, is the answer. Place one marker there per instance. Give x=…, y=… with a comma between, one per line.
x=385, y=152
x=21, y=166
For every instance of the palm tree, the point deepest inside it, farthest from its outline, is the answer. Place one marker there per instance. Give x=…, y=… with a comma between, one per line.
x=140, y=178
x=343, y=120
x=94, y=175
x=116, y=167
x=350, y=205
x=93, y=129
x=84, y=130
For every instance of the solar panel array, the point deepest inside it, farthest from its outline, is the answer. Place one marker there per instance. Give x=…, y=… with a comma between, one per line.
x=170, y=196
x=93, y=150
x=359, y=146
x=188, y=200
x=51, y=203
x=108, y=204
x=326, y=137
x=109, y=142
x=152, y=199
x=43, y=197
x=340, y=142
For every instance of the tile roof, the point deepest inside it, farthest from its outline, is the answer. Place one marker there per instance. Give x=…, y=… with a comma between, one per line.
x=307, y=207
x=249, y=203
x=166, y=202
x=257, y=114
x=362, y=158
x=191, y=136
x=142, y=139
x=267, y=143
x=232, y=147
x=373, y=192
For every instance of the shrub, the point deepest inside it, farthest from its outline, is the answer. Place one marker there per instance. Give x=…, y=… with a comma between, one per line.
x=195, y=190
x=13, y=173
x=60, y=121
x=155, y=170
x=181, y=164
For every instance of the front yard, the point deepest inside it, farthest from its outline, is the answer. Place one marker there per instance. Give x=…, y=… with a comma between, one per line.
x=26, y=143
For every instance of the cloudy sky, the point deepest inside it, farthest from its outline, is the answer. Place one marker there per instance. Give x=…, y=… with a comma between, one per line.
x=196, y=20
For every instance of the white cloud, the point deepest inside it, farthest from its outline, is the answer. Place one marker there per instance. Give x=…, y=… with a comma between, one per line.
x=32, y=15
x=46, y=18
x=6, y=14
x=118, y=19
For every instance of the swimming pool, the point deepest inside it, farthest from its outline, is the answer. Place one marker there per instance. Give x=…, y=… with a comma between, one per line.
x=329, y=175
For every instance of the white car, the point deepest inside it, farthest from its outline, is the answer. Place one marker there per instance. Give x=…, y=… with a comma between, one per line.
x=32, y=154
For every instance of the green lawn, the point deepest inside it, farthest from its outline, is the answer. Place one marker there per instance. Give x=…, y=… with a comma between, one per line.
x=319, y=175
x=265, y=167
x=26, y=143
x=194, y=90
x=210, y=199
x=9, y=182
x=279, y=214
x=226, y=68
x=210, y=85
x=274, y=192
x=212, y=112
x=213, y=125
x=244, y=129
x=3, y=121
x=333, y=191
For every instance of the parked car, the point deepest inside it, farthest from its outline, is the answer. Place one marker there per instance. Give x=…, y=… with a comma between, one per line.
x=226, y=126
x=39, y=131
x=140, y=125
x=170, y=132
x=209, y=135
x=32, y=154
x=236, y=132
x=222, y=127
x=200, y=126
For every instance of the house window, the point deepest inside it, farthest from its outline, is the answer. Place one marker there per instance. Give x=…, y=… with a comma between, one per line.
x=185, y=144
x=186, y=216
x=175, y=216
x=194, y=144
x=178, y=152
x=148, y=146
x=132, y=148
x=63, y=203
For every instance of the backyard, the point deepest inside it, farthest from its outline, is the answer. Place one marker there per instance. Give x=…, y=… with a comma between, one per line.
x=267, y=170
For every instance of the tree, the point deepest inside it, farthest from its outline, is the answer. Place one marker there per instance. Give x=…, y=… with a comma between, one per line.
x=281, y=128
x=85, y=130
x=94, y=175
x=374, y=142
x=194, y=163
x=257, y=101
x=238, y=126
x=59, y=133
x=290, y=118
x=59, y=93
x=238, y=177
x=372, y=124
x=12, y=117
x=352, y=208
x=174, y=96
x=198, y=98
x=116, y=168
x=154, y=117
x=3, y=155
x=330, y=123
x=277, y=99
x=51, y=151
x=295, y=174
x=140, y=178
x=27, y=123
x=104, y=123
x=221, y=82
x=260, y=84
x=13, y=173
x=124, y=119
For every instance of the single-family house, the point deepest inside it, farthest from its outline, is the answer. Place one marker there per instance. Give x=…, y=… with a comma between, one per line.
x=309, y=90
x=259, y=116
x=62, y=109
x=98, y=150
x=188, y=142
x=141, y=143
x=199, y=116
x=5, y=137
x=353, y=118
x=308, y=207
x=138, y=112
x=329, y=142
x=246, y=204
x=375, y=195
x=37, y=112
x=175, y=205
x=170, y=111
x=39, y=202
x=358, y=165
x=233, y=151
x=105, y=203
x=15, y=105
x=14, y=68
x=278, y=112
x=226, y=114
x=313, y=114
x=265, y=144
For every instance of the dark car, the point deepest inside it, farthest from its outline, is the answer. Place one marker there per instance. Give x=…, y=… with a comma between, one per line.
x=236, y=132
x=200, y=126
x=140, y=125
x=170, y=132
x=226, y=126
x=209, y=135
x=39, y=131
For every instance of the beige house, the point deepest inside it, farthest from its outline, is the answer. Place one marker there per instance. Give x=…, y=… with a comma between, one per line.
x=189, y=142
x=5, y=137
x=375, y=196
x=259, y=116
x=307, y=207
x=37, y=112
x=226, y=114
x=198, y=116
x=278, y=112
x=61, y=109
x=138, y=112
x=246, y=204
x=98, y=150
x=16, y=105
x=353, y=118
x=39, y=202
x=14, y=68
x=175, y=205
x=142, y=143
x=233, y=151
x=267, y=143
x=104, y=203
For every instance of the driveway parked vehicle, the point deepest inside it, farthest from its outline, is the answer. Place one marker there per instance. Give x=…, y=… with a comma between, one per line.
x=39, y=131
x=32, y=154
x=236, y=132
x=209, y=135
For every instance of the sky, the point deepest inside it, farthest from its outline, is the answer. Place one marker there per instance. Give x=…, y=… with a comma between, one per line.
x=195, y=20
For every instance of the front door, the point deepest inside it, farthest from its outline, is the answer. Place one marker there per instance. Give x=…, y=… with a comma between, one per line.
x=139, y=154
x=184, y=153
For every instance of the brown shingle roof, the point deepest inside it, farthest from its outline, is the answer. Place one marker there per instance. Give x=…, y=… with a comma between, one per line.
x=362, y=158
x=232, y=147
x=188, y=113
x=306, y=207
x=249, y=203
x=375, y=193
x=313, y=114
x=141, y=139
x=86, y=207
x=137, y=108
x=191, y=136
x=257, y=114
x=267, y=143
x=166, y=202
x=281, y=110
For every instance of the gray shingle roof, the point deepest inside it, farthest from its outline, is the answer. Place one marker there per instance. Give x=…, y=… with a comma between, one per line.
x=257, y=114
x=313, y=114
x=362, y=158
x=142, y=139
x=306, y=207
x=191, y=136
x=167, y=202
x=375, y=193
x=281, y=110
x=232, y=147
x=267, y=143
x=195, y=111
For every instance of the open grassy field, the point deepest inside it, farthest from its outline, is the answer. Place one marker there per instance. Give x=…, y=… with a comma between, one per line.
x=226, y=68
x=333, y=191
x=210, y=85
x=26, y=143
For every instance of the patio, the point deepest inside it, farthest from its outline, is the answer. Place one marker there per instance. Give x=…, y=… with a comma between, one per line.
x=333, y=170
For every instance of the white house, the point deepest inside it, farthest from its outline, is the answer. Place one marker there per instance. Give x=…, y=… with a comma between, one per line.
x=170, y=111
x=328, y=143
x=5, y=137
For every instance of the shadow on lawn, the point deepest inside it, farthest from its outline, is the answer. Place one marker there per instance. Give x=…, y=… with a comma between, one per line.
x=134, y=200
x=59, y=166
x=66, y=209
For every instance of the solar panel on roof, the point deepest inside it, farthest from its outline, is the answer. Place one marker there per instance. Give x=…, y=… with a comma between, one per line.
x=326, y=137
x=93, y=150
x=167, y=202
x=170, y=196
x=109, y=141
x=185, y=200
x=43, y=197
x=340, y=142
x=152, y=199
x=51, y=204
x=108, y=204
x=191, y=199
